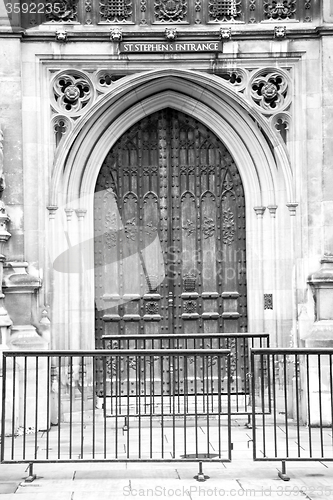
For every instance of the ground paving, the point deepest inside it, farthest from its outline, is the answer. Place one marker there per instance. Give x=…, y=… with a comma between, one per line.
x=241, y=478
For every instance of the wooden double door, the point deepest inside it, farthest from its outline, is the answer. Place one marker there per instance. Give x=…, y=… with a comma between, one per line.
x=169, y=232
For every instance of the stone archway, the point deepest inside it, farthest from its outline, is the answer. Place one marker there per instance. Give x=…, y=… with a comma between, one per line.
x=260, y=157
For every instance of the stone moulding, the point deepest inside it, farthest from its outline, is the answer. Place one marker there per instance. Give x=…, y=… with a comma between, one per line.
x=75, y=91
x=72, y=92
x=209, y=99
x=270, y=90
x=321, y=284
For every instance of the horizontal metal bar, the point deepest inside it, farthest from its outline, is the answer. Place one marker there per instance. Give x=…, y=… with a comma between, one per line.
x=119, y=352
x=293, y=459
x=185, y=336
x=137, y=460
x=291, y=350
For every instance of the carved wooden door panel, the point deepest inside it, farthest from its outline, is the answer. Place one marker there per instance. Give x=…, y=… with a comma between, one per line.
x=169, y=232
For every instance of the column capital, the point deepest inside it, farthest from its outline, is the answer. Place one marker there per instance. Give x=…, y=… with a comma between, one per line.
x=69, y=213
x=259, y=211
x=292, y=205
x=52, y=210
x=272, y=210
x=81, y=212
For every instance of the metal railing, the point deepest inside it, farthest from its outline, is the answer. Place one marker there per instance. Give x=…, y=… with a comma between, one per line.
x=50, y=411
x=238, y=343
x=300, y=426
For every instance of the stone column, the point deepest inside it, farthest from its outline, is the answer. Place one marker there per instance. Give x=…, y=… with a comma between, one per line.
x=5, y=321
x=259, y=314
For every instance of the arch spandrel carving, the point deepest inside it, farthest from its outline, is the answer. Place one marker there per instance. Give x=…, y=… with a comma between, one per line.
x=212, y=101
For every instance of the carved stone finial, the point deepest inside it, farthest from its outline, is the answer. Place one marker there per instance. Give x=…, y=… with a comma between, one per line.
x=170, y=34
x=61, y=35
x=116, y=34
x=280, y=32
x=225, y=33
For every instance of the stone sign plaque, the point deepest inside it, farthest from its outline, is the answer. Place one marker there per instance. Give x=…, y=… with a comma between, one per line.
x=165, y=47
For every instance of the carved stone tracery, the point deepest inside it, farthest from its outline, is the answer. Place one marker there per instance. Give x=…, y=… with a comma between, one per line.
x=195, y=12
x=72, y=92
x=279, y=10
x=224, y=10
x=63, y=11
x=116, y=10
x=170, y=10
x=269, y=90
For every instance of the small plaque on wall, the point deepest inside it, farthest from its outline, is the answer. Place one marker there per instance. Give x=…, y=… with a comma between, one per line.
x=268, y=301
x=165, y=47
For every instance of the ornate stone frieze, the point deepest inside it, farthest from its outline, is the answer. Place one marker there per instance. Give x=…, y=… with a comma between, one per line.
x=170, y=11
x=63, y=11
x=279, y=11
x=72, y=92
x=116, y=11
x=194, y=12
x=269, y=89
x=224, y=10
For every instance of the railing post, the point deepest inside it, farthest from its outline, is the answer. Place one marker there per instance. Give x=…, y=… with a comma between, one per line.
x=31, y=476
x=283, y=474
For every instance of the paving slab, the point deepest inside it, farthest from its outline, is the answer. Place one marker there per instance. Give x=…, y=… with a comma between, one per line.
x=40, y=495
x=8, y=487
x=12, y=472
x=101, y=495
x=65, y=485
